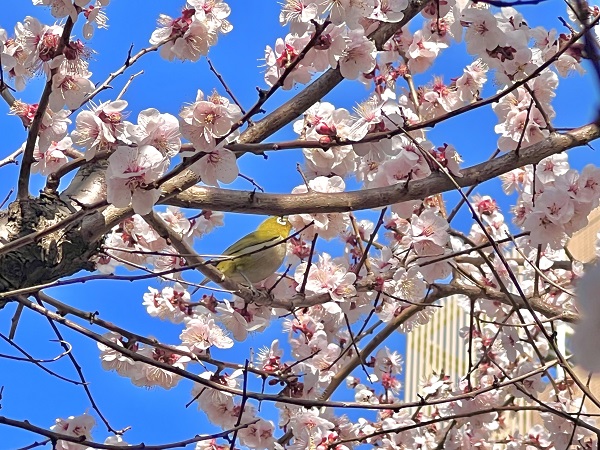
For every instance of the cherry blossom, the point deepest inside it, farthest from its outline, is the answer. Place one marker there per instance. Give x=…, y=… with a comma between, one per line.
x=214, y=12
x=327, y=225
x=202, y=333
x=349, y=11
x=219, y=165
x=428, y=234
x=327, y=277
x=129, y=171
x=337, y=302
x=53, y=158
x=63, y=8
x=187, y=37
x=76, y=426
x=358, y=57
x=239, y=321
x=95, y=16
x=170, y=304
x=268, y=357
x=278, y=59
x=70, y=90
x=369, y=115
x=258, y=435
x=161, y=131
x=298, y=14
x=422, y=52
x=483, y=32
x=101, y=128
x=208, y=119
x=308, y=425
x=389, y=10
x=112, y=359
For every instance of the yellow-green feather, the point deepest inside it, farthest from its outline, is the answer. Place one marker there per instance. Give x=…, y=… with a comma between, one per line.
x=259, y=262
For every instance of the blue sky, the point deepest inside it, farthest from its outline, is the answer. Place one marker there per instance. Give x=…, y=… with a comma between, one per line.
x=158, y=416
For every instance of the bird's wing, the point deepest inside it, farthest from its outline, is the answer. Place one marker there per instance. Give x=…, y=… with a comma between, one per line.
x=242, y=247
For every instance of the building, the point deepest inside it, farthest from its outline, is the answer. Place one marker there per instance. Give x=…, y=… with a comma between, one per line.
x=437, y=346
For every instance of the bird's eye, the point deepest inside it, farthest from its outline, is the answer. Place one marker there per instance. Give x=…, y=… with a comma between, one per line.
x=281, y=221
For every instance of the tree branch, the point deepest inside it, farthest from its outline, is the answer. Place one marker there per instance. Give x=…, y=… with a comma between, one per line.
x=203, y=197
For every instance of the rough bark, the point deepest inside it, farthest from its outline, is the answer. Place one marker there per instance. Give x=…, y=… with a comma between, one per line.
x=52, y=256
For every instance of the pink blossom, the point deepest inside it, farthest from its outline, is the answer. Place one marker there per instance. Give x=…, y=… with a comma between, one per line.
x=130, y=169
x=307, y=425
x=79, y=427
x=556, y=204
x=268, y=358
x=349, y=11
x=171, y=304
x=258, y=435
x=238, y=321
x=389, y=10
x=191, y=35
x=482, y=30
x=589, y=185
x=95, y=16
x=161, y=131
x=298, y=14
x=62, y=8
x=422, y=52
x=149, y=376
x=428, y=233
x=53, y=158
x=543, y=230
x=70, y=90
x=100, y=128
x=327, y=277
x=408, y=284
x=53, y=128
x=208, y=118
x=201, y=333
x=327, y=225
x=179, y=223
x=114, y=360
x=408, y=163
x=551, y=168
x=279, y=59
x=369, y=115
x=470, y=84
x=521, y=126
x=387, y=362
x=214, y=13
x=218, y=165
x=358, y=57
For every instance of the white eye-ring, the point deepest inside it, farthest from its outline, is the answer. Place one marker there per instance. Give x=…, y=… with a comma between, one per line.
x=281, y=221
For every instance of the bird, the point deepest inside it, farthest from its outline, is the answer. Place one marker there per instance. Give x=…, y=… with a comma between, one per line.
x=257, y=255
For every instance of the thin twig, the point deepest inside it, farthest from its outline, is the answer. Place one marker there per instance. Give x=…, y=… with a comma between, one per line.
x=79, y=371
x=222, y=80
x=12, y=158
x=127, y=84
x=28, y=159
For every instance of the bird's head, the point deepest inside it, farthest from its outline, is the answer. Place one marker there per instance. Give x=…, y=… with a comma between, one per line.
x=275, y=226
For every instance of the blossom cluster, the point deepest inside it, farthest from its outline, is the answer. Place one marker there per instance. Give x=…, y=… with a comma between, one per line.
x=384, y=146
x=189, y=36
x=554, y=200
x=34, y=49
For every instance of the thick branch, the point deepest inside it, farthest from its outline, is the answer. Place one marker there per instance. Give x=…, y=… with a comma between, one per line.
x=202, y=197
x=323, y=85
